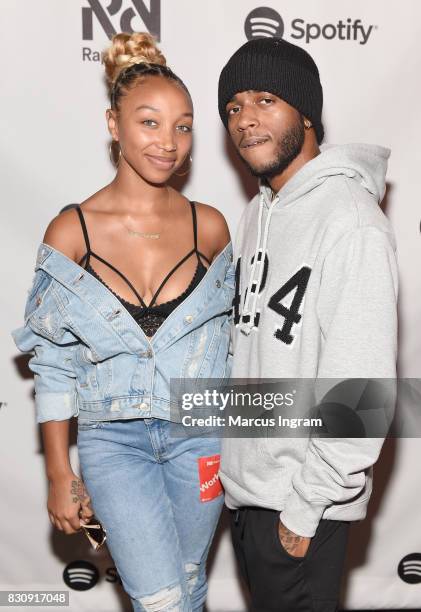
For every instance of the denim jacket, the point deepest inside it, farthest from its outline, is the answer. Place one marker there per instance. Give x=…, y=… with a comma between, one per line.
x=92, y=360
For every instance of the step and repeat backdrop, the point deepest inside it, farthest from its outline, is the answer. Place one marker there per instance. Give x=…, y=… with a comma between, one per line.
x=54, y=152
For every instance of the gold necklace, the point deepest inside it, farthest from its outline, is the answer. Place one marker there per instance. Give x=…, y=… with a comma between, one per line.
x=149, y=235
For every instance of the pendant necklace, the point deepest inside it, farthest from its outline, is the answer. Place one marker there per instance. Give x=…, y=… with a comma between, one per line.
x=150, y=235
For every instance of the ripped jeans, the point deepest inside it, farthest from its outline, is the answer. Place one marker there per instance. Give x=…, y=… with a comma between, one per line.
x=145, y=489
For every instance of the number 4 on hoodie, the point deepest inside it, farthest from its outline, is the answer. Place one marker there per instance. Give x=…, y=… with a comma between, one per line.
x=290, y=314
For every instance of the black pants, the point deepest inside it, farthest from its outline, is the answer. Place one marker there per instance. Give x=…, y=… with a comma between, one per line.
x=277, y=580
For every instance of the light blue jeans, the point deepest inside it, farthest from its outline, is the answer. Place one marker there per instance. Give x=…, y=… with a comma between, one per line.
x=143, y=480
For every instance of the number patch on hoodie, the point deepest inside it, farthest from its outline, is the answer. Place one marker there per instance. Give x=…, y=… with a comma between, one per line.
x=291, y=314
x=236, y=302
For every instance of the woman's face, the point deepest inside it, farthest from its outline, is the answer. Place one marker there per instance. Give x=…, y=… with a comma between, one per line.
x=154, y=128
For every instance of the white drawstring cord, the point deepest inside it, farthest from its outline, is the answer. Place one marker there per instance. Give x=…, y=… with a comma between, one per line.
x=244, y=326
x=263, y=250
x=247, y=327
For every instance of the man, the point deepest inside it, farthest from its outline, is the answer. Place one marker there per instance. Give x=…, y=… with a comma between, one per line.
x=316, y=286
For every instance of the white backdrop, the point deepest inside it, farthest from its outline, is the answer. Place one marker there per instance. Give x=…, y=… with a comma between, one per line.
x=54, y=152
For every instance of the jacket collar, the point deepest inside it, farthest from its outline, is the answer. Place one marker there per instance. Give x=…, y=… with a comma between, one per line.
x=89, y=289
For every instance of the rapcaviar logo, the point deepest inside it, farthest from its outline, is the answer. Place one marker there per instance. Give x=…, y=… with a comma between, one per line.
x=113, y=17
x=409, y=569
x=80, y=575
x=263, y=22
x=103, y=11
x=266, y=22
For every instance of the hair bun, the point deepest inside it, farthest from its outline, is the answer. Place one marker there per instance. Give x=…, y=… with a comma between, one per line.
x=128, y=49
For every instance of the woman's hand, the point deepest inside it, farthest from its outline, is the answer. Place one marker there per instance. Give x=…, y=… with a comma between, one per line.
x=68, y=503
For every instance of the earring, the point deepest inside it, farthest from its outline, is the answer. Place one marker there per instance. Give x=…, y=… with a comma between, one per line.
x=111, y=153
x=188, y=169
x=307, y=124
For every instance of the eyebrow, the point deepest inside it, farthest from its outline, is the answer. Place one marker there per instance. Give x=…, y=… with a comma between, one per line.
x=233, y=99
x=249, y=91
x=142, y=106
x=156, y=110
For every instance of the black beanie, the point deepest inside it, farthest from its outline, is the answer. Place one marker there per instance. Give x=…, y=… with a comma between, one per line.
x=278, y=67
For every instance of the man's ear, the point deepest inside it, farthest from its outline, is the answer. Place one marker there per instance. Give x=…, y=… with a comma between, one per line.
x=112, y=123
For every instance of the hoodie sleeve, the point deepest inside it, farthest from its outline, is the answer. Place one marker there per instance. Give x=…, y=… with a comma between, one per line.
x=358, y=321
x=52, y=349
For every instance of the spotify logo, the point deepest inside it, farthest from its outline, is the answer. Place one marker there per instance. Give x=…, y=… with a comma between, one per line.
x=80, y=575
x=409, y=568
x=263, y=22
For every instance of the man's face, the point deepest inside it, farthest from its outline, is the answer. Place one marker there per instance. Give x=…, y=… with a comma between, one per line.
x=267, y=132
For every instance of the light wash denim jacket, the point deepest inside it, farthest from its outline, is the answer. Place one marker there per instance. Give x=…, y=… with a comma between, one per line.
x=92, y=360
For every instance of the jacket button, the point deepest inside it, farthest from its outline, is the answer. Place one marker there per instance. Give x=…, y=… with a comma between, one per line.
x=148, y=354
x=38, y=301
x=143, y=406
x=188, y=318
x=218, y=283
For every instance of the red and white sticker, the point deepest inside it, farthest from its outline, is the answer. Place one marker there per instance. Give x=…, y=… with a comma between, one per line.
x=210, y=485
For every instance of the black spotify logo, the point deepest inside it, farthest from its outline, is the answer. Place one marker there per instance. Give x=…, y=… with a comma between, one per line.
x=80, y=575
x=409, y=568
x=263, y=22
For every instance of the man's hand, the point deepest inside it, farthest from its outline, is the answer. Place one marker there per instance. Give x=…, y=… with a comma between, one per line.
x=295, y=545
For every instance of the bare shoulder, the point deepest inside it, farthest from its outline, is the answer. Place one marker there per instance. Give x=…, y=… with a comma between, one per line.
x=213, y=229
x=64, y=233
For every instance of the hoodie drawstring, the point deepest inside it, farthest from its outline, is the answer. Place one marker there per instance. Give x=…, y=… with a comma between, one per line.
x=246, y=312
x=247, y=327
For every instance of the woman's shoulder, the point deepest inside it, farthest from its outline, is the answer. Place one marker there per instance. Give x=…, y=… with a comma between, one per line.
x=64, y=234
x=210, y=214
x=212, y=227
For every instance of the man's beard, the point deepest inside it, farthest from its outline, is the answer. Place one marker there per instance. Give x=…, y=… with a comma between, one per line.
x=288, y=148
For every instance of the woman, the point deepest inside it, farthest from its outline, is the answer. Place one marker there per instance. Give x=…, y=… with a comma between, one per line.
x=132, y=289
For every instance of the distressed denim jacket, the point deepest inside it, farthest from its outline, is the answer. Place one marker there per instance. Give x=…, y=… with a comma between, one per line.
x=92, y=360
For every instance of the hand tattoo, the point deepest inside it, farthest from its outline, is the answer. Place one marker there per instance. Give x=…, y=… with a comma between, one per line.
x=292, y=542
x=78, y=491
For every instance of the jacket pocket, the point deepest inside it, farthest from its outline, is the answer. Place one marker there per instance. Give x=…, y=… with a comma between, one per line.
x=38, y=290
x=43, y=312
x=87, y=379
x=94, y=378
x=199, y=350
x=214, y=360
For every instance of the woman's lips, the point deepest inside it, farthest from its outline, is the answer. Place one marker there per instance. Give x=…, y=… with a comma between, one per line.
x=165, y=163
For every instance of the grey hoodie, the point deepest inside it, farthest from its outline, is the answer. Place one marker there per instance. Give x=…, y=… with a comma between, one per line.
x=326, y=309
